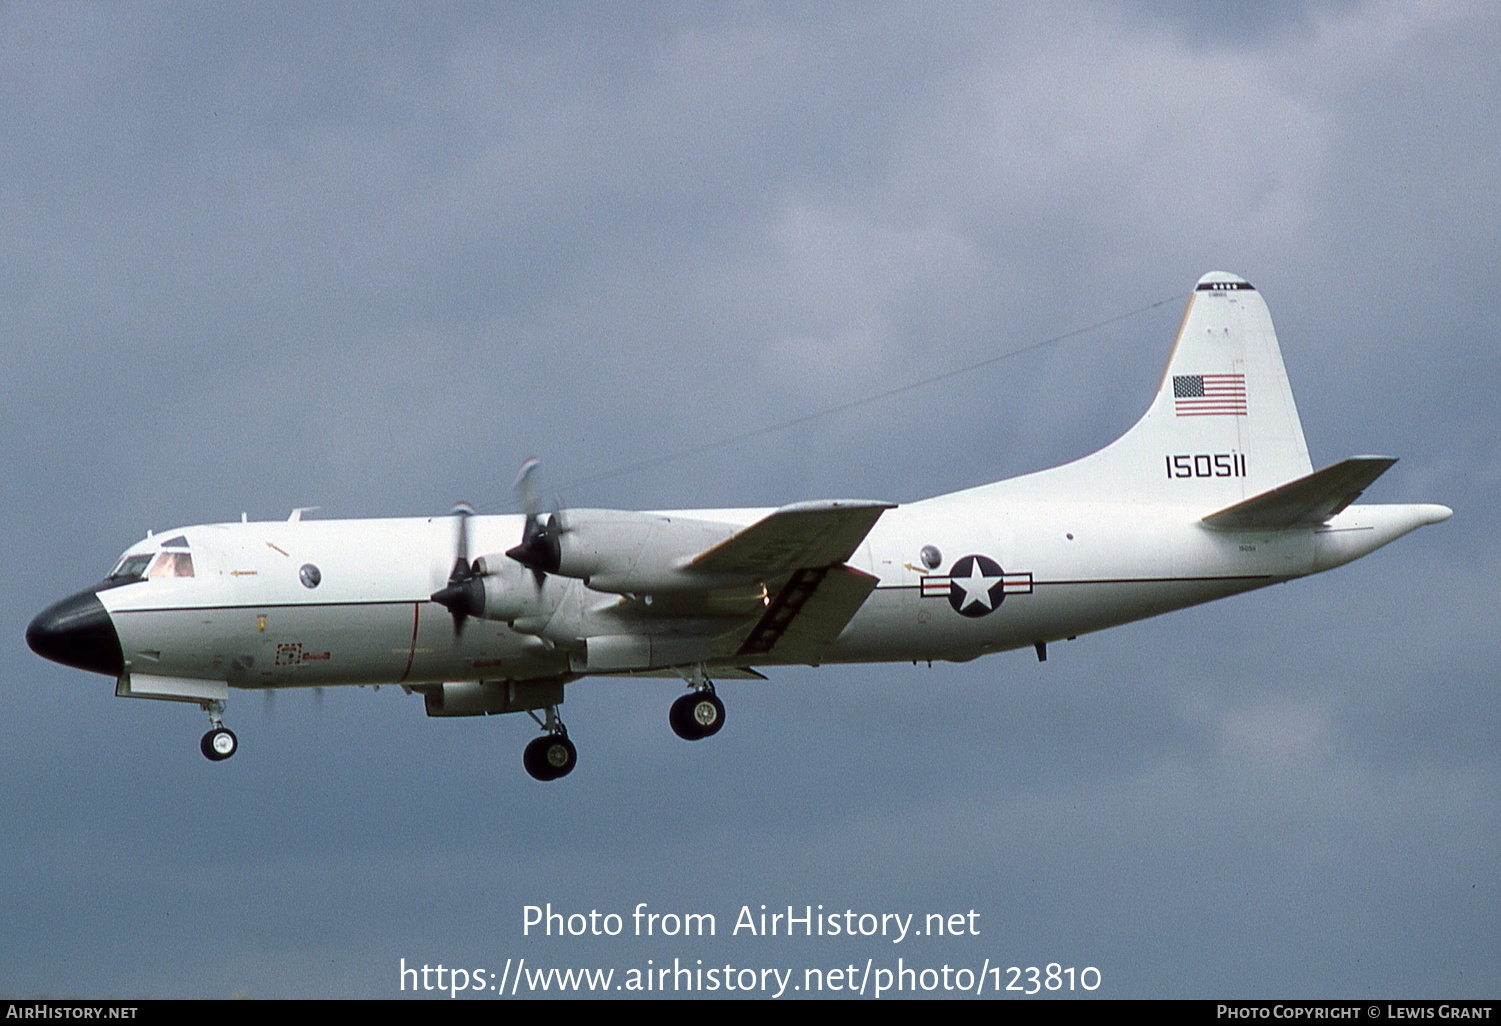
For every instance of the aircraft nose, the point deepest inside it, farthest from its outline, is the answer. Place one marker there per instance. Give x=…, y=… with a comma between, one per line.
x=77, y=632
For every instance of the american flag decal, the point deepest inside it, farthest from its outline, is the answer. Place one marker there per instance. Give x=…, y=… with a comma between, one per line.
x=1209, y=395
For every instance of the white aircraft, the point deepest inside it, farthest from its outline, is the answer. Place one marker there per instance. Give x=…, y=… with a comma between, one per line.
x=1210, y=494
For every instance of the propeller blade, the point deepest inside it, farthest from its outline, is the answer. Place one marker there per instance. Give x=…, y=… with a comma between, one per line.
x=464, y=595
x=525, y=485
x=463, y=511
x=540, y=550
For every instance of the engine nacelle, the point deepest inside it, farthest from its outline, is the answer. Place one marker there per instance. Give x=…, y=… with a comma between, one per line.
x=631, y=553
x=511, y=591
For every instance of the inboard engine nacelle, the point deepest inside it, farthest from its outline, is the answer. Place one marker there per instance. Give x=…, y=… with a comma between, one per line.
x=620, y=551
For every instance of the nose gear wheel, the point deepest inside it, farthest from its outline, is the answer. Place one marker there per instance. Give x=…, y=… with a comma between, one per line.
x=219, y=744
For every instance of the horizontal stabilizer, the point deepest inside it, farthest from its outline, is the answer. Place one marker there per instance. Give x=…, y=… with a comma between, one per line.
x=795, y=537
x=1306, y=502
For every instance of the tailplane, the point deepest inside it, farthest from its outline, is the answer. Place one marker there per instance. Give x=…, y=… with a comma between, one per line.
x=1308, y=501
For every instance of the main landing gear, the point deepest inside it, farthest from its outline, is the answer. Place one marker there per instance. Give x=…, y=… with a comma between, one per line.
x=220, y=742
x=552, y=755
x=698, y=714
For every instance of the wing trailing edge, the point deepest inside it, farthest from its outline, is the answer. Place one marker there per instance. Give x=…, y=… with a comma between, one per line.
x=1305, y=502
x=808, y=613
x=809, y=543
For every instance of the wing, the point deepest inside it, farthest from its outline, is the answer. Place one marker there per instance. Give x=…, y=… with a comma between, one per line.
x=807, y=545
x=808, y=613
x=776, y=591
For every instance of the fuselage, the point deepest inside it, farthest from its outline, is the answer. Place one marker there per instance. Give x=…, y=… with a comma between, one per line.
x=319, y=603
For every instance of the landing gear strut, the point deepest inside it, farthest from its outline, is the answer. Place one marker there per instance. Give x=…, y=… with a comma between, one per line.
x=552, y=755
x=220, y=742
x=698, y=714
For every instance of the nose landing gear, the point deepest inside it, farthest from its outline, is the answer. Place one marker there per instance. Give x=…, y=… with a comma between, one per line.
x=220, y=742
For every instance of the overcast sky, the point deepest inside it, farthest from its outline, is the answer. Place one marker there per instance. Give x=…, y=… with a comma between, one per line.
x=369, y=257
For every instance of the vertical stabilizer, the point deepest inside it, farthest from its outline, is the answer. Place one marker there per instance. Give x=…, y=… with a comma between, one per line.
x=1222, y=428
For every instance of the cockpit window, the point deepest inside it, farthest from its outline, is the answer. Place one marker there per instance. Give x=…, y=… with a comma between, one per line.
x=131, y=568
x=173, y=561
x=171, y=564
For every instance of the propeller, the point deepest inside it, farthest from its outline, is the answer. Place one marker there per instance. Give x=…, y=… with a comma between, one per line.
x=541, y=549
x=464, y=595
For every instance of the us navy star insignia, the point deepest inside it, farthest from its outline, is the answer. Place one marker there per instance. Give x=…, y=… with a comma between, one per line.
x=976, y=585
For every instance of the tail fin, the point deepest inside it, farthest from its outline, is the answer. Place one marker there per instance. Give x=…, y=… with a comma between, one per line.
x=1223, y=427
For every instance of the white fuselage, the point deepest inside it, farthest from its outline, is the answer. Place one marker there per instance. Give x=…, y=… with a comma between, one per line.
x=247, y=618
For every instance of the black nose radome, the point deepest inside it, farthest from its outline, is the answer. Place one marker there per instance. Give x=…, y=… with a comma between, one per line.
x=77, y=632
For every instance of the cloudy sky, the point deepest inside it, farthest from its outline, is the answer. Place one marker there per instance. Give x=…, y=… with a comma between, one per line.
x=369, y=257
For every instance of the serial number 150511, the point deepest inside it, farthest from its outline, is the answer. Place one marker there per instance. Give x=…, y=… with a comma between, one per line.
x=1206, y=464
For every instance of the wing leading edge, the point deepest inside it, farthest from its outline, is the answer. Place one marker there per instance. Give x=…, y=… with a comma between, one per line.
x=801, y=536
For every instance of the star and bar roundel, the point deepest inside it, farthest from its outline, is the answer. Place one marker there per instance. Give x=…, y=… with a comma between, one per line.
x=976, y=585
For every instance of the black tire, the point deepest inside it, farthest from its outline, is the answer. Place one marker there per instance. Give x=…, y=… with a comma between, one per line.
x=696, y=716
x=550, y=757
x=680, y=718
x=219, y=744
